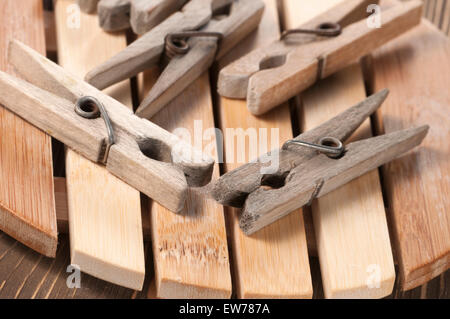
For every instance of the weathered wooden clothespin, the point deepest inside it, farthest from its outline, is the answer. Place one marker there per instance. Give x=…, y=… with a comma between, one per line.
x=190, y=39
x=269, y=76
x=310, y=166
x=140, y=15
x=103, y=130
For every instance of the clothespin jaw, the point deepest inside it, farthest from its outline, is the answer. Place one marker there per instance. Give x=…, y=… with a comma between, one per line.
x=220, y=31
x=269, y=76
x=143, y=155
x=305, y=174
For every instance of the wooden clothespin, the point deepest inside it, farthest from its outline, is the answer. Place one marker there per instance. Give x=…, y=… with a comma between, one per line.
x=103, y=130
x=310, y=166
x=140, y=15
x=269, y=76
x=192, y=39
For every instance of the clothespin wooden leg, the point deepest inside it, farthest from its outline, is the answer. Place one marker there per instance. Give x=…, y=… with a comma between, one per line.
x=105, y=212
x=350, y=223
x=274, y=262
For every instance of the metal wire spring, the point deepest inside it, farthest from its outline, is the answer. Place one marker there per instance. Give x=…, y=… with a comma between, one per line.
x=176, y=43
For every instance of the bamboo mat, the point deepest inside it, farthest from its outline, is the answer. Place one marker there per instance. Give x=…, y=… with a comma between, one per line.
x=36, y=276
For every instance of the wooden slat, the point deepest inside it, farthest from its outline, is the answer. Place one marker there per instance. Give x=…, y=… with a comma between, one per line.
x=62, y=215
x=104, y=212
x=417, y=70
x=445, y=23
x=350, y=223
x=27, y=204
x=272, y=263
x=438, y=9
x=190, y=248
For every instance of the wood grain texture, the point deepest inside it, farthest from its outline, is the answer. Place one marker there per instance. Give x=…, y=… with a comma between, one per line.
x=417, y=69
x=190, y=249
x=27, y=204
x=445, y=21
x=104, y=212
x=26, y=274
x=350, y=223
x=272, y=263
x=62, y=211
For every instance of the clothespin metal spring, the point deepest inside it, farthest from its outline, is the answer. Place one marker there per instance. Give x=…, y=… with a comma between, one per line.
x=330, y=146
x=176, y=43
x=91, y=108
x=326, y=29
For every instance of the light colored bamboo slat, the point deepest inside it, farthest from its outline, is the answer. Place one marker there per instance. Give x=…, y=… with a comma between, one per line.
x=438, y=9
x=50, y=33
x=62, y=211
x=190, y=249
x=350, y=223
x=445, y=24
x=417, y=70
x=272, y=263
x=27, y=204
x=104, y=212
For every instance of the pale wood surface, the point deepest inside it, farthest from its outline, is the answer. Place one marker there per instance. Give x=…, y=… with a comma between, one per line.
x=190, y=249
x=24, y=273
x=27, y=204
x=438, y=12
x=272, y=263
x=417, y=69
x=104, y=212
x=182, y=70
x=62, y=211
x=350, y=223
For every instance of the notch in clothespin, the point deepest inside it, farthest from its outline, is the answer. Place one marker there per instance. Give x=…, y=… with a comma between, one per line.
x=191, y=40
x=310, y=166
x=140, y=15
x=269, y=76
x=142, y=154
